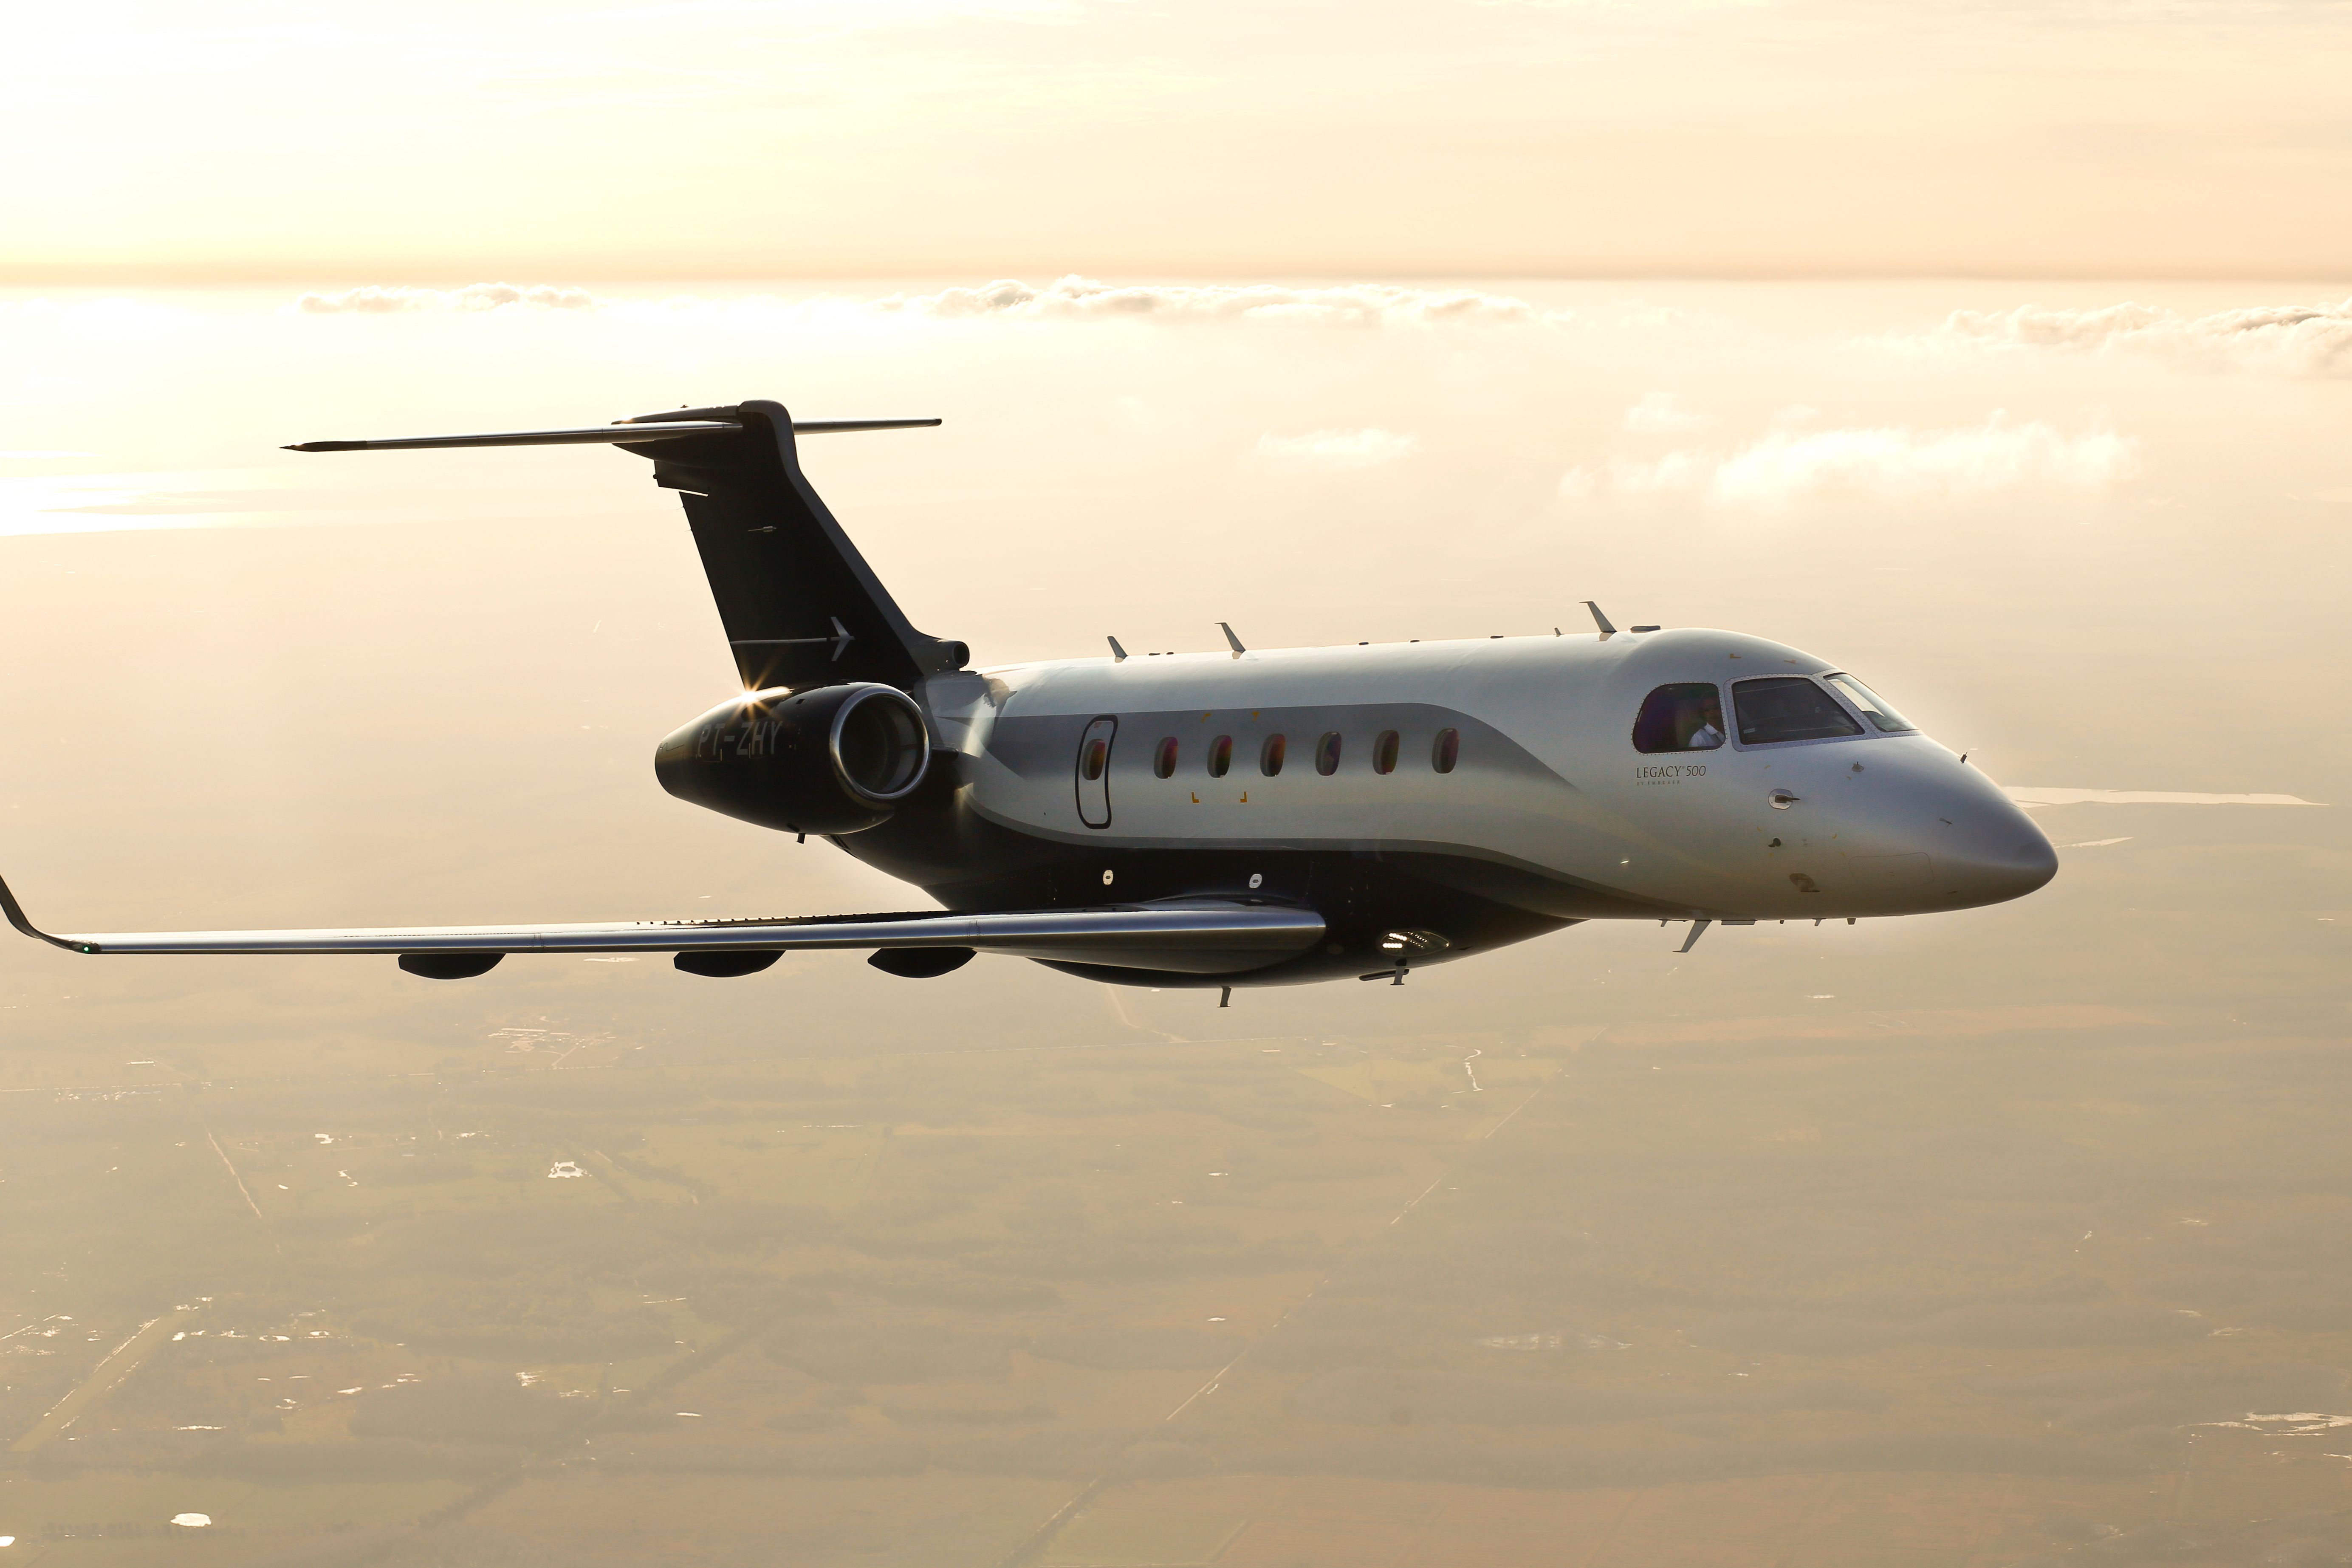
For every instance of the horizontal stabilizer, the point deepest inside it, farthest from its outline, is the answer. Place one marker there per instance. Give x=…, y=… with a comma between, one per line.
x=628, y=434
x=1185, y=936
x=799, y=604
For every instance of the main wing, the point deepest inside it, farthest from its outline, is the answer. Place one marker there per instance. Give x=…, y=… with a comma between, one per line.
x=1186, y=936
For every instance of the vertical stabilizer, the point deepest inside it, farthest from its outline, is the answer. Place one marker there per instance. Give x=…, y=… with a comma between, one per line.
x=800, y=604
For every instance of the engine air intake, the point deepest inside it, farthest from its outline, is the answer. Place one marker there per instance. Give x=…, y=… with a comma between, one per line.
x=830, y=761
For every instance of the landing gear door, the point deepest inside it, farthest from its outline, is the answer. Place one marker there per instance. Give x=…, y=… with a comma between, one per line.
x=1093, y=772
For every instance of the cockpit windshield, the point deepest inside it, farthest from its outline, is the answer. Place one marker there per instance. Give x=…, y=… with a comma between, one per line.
x=1788, y=707
x=1872, y=707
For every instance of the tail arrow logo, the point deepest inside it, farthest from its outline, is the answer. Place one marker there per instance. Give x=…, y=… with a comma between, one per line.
x=841, y=638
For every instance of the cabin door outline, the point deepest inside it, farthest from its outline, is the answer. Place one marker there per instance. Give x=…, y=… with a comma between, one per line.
x=1093, y=772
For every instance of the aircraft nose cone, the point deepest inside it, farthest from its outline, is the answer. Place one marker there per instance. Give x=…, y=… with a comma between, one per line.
x=1996, y=853
x=2029, y=864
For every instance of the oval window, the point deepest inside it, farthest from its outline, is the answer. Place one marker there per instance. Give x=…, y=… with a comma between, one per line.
x=1097, y=753
x=1446, y=752
x=1269, y=756
x=1163, y=761
x=1384, y=753
x=1327, y=754
x=1220, y=756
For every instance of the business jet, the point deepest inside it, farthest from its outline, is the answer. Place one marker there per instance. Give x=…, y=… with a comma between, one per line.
x=1241, y=817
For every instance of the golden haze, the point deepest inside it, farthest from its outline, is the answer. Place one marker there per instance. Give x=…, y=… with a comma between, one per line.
x=827, y=138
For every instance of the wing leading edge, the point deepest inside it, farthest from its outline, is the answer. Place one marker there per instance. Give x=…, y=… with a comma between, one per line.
x=1182, y=936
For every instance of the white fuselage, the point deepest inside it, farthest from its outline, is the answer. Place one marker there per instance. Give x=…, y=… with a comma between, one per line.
x=1548, y=781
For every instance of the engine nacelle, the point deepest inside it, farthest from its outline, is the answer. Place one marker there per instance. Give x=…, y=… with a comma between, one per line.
x=830, y=761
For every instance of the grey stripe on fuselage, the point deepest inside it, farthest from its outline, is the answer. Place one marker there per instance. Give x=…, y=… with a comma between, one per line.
x=1354, y=810
x=1020, y=730
x=1045, y=748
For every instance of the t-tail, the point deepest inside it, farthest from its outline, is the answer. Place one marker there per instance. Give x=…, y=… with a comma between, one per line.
x=799, y=605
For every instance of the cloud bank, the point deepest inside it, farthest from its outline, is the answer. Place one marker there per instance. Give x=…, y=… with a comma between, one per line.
x=1659, y=414
x=1365, y=449
x=377, y=299
x=1352, y=304
x=2052, y=794
x=1888, y=462
x=1065, y=299
x=2302, y=340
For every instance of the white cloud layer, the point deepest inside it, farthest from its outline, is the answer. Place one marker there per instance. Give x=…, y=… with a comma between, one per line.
x=2303, y=340
x=1658, y=414
x=377, y=299
x=2047, y=795
x=1352, y=304
x=1065, y=299
x=1365, y=449
x=1888, y=462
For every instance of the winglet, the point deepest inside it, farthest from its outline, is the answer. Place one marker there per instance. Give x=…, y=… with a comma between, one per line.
x=16, y=917
x=1118, y=654
x=1232, y=641
x=1598, y=619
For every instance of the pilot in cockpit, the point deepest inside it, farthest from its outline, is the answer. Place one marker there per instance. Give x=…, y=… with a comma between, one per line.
x=1705, y=719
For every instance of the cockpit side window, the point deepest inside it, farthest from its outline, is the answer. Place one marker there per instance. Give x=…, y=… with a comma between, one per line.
x=1872, y=707
x=1684, y=717
x=1788, y=707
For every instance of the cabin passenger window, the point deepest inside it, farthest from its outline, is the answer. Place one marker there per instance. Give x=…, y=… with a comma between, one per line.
x=1885, y=718
x=1098, y=752
x=1269, y=756
x=1163, y=761
x=1220, y=756
x=1686, y=716
x=1788, y=707
x=1446, y=751
x=1327, y=754
x=1384, y=753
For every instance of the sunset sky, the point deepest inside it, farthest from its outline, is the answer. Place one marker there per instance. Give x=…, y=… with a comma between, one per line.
x=268, y=139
